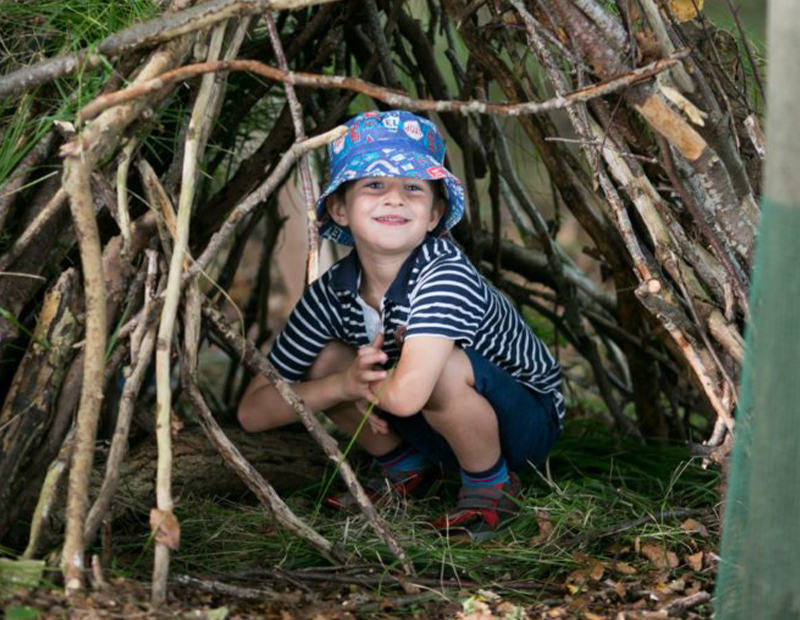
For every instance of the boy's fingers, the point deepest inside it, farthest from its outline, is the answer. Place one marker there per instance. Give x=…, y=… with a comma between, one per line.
x=371, y=376
x=378, y=341
x=378, y=425
x=369, y=359
x=368, y=395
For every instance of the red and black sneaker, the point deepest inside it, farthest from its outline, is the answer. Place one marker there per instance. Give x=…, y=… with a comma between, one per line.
x=481, y=511
x=414, y=484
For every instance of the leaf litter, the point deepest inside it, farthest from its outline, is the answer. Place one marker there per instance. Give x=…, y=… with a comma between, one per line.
x=619, y=538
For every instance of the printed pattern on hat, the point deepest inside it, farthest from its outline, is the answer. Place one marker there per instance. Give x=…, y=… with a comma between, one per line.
x=389, y=144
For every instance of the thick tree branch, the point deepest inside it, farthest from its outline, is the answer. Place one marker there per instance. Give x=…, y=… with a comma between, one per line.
x=145, y=34
x=393, y=98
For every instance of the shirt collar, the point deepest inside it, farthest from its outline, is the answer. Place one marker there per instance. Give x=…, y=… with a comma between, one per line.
x=347, y=276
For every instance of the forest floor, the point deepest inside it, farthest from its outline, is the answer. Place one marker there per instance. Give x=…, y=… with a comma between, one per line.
x=609, y=530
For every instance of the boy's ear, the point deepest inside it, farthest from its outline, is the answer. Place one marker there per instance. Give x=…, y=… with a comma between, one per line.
x=437, y=212
x=335, y=206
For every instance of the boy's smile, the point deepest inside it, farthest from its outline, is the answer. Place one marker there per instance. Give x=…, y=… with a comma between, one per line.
x=388, y=214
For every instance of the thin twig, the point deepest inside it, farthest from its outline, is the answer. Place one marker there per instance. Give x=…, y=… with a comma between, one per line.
x=122, y=194
x=42, y=219
x=119, y=441
x=395, y=99
x=296, y=110
x=253, y=359
x=254, y=480
x=258, y=196
x=48, y=494
x=191, y=156
x=225, y=589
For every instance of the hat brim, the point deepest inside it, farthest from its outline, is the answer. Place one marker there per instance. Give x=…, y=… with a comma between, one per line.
x=413, y=165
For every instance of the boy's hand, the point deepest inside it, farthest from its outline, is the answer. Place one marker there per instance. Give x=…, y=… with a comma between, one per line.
x=378, y=425
x=362, y=373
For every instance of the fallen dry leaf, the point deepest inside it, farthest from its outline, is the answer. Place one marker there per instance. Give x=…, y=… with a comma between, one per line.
x=659, y=556
x=545, y=528
x=625, y=569
x=695, y=561
x=590, y=616
x=165, y=528
x=596, y=570
x=691, y=526
x=577, y=576
x=475, y=609
x=684, y=10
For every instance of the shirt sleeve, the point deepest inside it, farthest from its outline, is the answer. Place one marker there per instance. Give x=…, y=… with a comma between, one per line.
x=312, y=324
x=449, y=301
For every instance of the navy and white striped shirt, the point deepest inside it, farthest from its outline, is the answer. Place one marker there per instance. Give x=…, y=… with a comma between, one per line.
x=437, y=292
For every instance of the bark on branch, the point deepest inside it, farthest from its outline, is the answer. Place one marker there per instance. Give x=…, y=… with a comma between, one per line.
x=393, y=98
x=145, y=34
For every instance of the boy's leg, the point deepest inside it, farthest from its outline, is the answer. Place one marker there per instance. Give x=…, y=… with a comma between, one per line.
x=486, y=416
x=463, y=417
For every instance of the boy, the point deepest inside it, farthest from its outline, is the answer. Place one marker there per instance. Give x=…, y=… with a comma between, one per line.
x=473, y=389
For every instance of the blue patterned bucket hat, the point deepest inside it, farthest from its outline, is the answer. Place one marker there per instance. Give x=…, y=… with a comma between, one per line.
x=389, y=144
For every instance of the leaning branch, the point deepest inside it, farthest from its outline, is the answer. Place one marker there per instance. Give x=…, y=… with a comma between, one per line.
x=393, y=98
x=145, y=34
x=256, y=362
x=259, y=195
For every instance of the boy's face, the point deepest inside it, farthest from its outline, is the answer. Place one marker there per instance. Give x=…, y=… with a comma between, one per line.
x=388, y=214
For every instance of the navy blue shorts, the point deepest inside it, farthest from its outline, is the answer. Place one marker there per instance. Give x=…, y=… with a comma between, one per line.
x=527, y=421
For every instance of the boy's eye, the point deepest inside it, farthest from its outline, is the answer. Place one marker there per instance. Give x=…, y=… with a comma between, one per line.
x=413, y=188
x=374, y=184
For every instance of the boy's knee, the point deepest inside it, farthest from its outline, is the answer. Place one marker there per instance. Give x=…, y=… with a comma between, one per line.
x=334, y=357
x=456, y=377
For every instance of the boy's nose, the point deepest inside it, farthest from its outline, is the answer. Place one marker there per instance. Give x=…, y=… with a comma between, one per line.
x=393, y=196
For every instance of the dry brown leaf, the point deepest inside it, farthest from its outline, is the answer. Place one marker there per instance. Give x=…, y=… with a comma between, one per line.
x=545, y=528
x=625, y=569
x=621, y=590
x=596, y=570
x=590, y=616
x=659, y=556
x=684, y=10
x=672, y=559
x=694, y=588
x=577, y=576
x=691, y=526
x=509, y=610
x=556, y=612
x=165, y=528
x=175, y=424
x=695, y=561
x=478, y=611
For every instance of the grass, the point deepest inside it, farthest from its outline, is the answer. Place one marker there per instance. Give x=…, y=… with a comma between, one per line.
x=33, y=31
x=595, y=501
